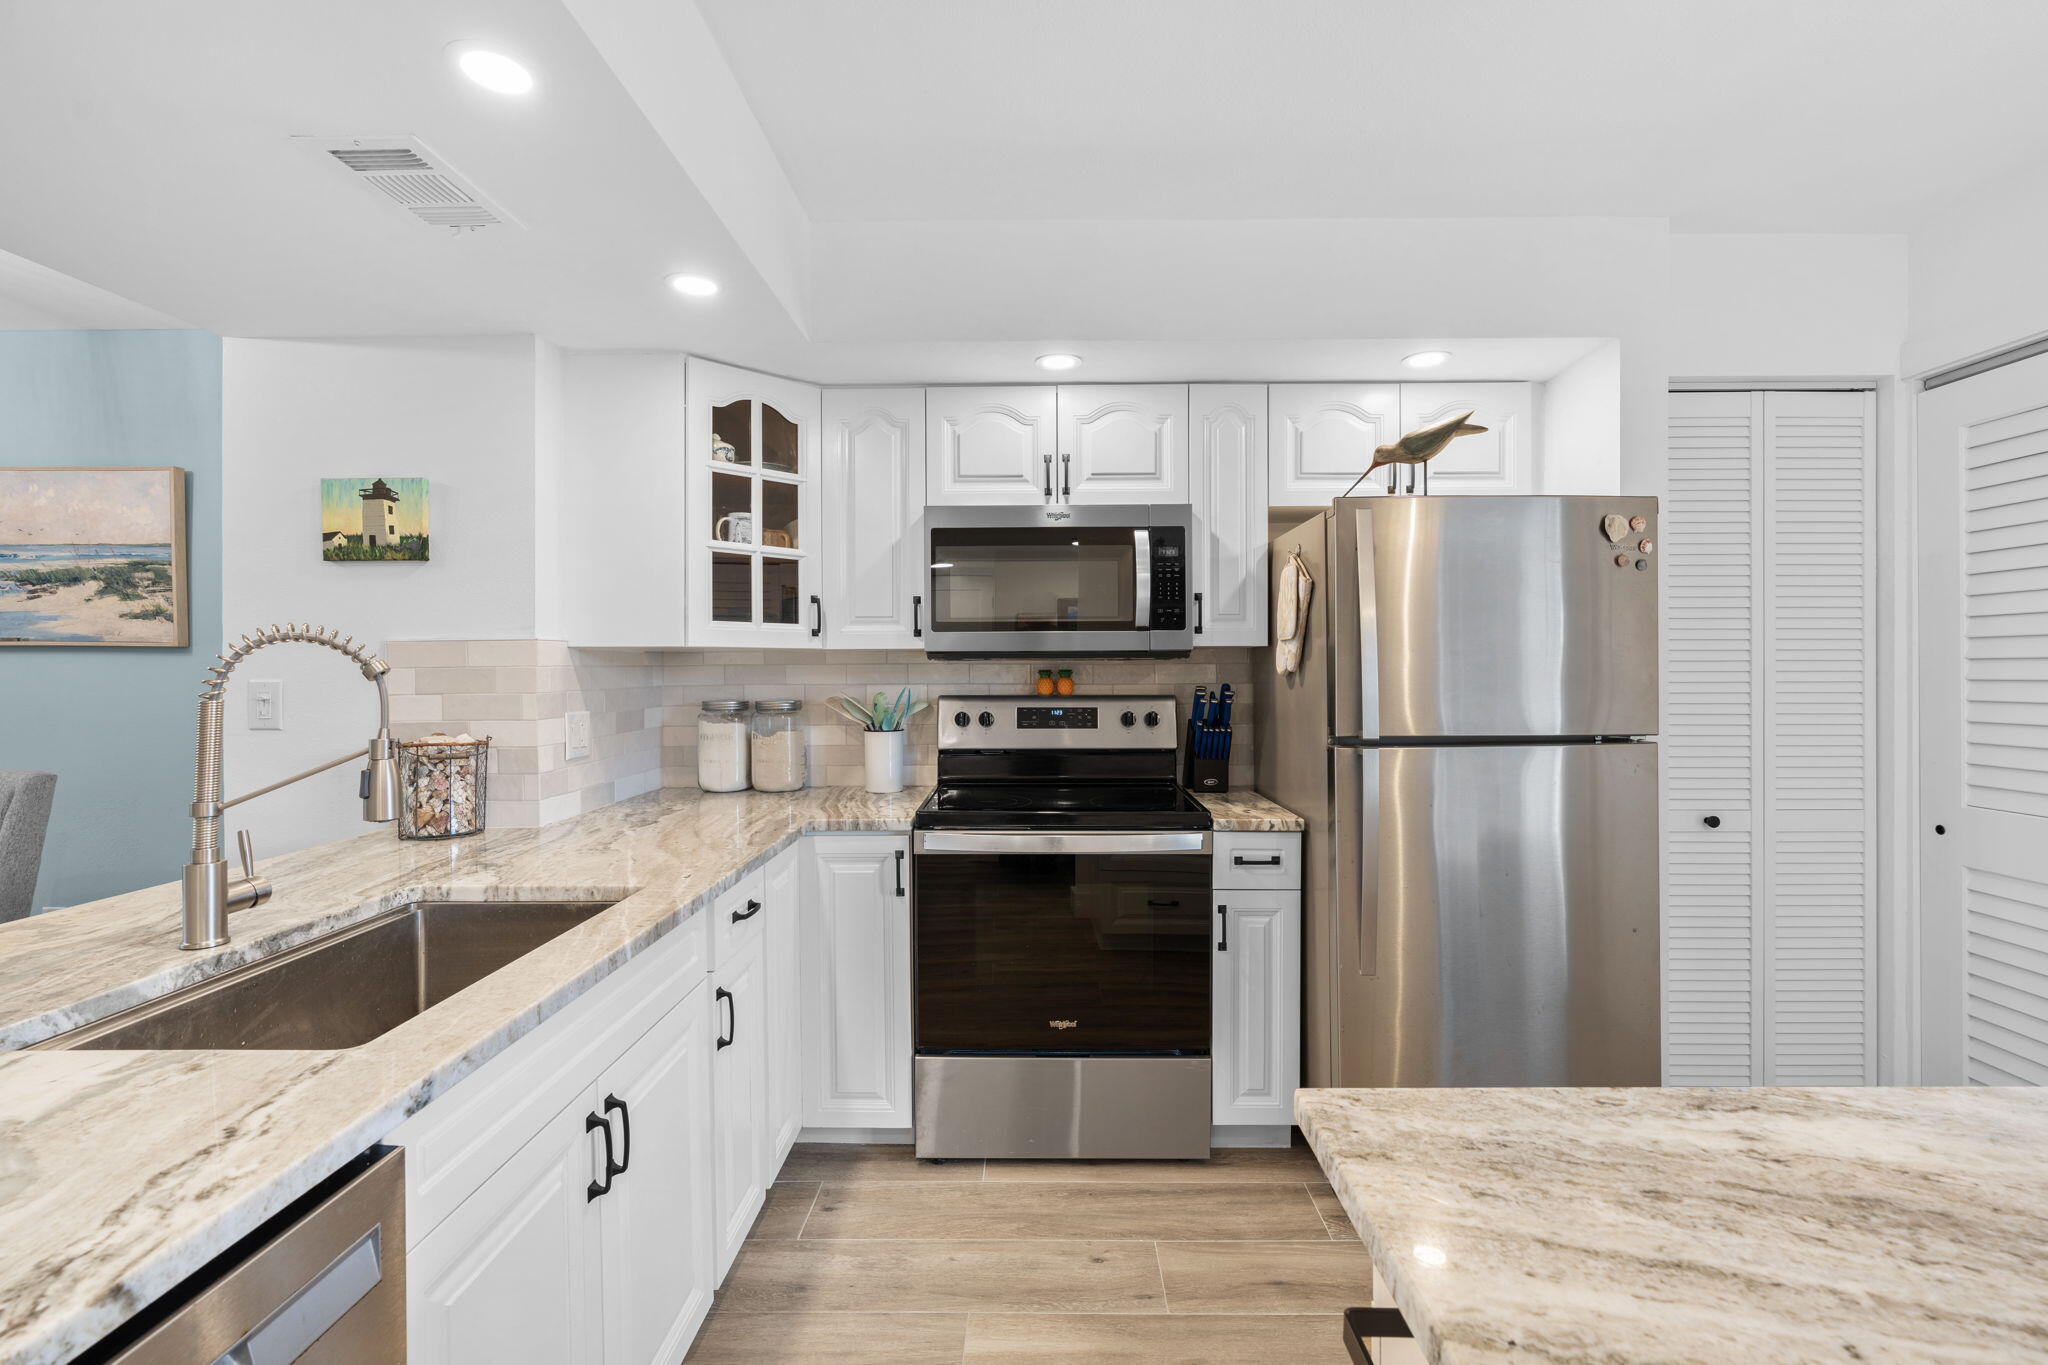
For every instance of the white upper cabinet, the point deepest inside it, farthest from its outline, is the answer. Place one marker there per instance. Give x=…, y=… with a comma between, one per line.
x=1503, y=460
x=752, y=516
x=1229, y=477
x=1123, y=443
x=874, y=506
x=991, y=446
x=1323, y=437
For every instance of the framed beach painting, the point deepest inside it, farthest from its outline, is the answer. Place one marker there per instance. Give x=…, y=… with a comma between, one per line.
x=93, y=556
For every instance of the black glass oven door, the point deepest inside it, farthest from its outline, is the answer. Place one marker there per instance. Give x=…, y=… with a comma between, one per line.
x=1038, y=953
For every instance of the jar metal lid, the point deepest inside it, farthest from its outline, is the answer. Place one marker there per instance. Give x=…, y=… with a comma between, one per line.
x=726, y=706
x=789, y=705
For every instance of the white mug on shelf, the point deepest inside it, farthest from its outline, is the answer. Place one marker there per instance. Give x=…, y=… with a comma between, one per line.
x=884, y=760
x=736, y=529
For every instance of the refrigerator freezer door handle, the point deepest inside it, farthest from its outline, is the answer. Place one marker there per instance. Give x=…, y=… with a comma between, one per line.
x=1354, y=625
x=1357, y=900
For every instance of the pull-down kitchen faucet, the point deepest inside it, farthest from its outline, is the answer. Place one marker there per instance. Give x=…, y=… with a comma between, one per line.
x=209, y=893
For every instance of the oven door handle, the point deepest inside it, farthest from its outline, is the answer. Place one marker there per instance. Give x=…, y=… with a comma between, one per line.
x=1176, y=841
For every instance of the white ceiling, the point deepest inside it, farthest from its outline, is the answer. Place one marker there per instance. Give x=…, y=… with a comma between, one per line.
x=1721, y=115
x=35, y=298
x=963, y=161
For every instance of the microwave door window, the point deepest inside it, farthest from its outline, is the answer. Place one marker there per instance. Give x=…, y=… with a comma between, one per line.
x=1033, y=579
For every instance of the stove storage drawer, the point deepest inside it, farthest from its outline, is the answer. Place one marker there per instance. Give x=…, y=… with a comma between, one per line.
x=1258, y=861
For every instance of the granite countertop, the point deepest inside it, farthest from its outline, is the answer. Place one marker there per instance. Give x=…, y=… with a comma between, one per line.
x=1679, y=1225
x=123, y=1172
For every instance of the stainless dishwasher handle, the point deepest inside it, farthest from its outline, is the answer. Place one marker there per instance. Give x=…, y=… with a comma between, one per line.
x=1177, y=841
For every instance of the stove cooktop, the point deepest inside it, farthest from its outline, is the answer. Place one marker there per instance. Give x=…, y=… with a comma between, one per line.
x=1061, y=805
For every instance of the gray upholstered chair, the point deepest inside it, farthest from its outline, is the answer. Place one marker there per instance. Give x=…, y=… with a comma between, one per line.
x=24, y=816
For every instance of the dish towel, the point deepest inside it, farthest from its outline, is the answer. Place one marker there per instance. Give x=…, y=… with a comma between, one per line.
x=1291, y=629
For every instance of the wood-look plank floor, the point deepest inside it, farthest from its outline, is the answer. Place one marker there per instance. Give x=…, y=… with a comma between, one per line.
x=868, y=1254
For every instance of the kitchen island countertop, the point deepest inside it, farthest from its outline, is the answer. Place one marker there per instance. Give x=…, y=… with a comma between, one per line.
x=1611, y=1227
x=123, y=1172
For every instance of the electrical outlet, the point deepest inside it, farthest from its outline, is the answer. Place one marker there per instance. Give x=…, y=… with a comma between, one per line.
x=266, y=704
x=578, y=726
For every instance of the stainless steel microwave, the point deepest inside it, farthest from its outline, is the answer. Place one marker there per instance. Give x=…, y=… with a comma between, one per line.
x=1067, y=581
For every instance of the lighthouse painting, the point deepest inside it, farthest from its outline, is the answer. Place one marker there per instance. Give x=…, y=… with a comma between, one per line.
x=373, y=519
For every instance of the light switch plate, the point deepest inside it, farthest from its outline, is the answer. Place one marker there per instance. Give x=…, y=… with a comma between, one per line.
x=266, y=704
x=578, y=726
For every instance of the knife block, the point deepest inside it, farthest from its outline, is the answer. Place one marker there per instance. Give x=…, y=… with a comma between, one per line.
x=1205, y=776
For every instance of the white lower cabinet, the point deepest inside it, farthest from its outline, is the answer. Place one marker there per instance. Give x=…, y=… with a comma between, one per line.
x=577, y=1249
x=1256, y=1020
x=856, y=981
x=739, y=1096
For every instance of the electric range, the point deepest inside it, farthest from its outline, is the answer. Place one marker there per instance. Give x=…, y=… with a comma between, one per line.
x=1060, y=879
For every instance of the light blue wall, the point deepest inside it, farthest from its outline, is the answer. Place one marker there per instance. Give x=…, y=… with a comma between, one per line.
x=115, y=725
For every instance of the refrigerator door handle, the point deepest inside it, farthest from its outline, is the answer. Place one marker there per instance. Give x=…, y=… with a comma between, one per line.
x=1357, y=842
x=1354, y=622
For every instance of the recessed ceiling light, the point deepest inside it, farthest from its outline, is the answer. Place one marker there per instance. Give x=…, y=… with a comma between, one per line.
x=1058, y=362
x=1425, y=360
x=695, y=286
x=494, y=71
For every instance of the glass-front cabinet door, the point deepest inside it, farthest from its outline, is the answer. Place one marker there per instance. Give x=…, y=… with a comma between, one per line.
x=752, y=519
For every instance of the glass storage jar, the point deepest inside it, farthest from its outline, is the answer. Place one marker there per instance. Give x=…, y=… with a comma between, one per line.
x=722, y=746
x=778, y=746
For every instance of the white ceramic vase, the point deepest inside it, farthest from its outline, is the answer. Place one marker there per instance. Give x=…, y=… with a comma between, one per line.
x=884, y=760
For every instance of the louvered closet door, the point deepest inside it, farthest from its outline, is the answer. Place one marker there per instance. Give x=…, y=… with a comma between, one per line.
x=1767, y=723
x=1982, y=455
x=1713, y=583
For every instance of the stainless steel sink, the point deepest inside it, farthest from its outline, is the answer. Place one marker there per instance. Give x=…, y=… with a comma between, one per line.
x=345, y=988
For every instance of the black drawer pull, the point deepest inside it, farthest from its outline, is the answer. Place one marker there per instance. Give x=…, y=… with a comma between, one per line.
x=899, y=871
x=1222, y=928
x=1239, y=860
x=753, y=909
x=1363, y=1323
x=612, y=1102
x=732, y=1016
x=592, y=1123
x=917, y=618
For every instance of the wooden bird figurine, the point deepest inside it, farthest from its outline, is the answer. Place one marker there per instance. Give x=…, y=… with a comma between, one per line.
x=1424, y=443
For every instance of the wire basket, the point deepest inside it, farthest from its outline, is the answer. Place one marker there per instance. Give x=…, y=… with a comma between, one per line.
x=442, y=783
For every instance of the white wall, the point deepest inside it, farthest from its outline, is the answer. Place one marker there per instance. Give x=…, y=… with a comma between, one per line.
x=1786, y=306
x=459, y=412
x=1580, y=420
x=1979, y=277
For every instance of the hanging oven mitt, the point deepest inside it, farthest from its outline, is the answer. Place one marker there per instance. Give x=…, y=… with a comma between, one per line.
x=1291, y=629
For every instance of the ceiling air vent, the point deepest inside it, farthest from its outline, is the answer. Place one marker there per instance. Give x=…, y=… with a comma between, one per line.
x=414, y=178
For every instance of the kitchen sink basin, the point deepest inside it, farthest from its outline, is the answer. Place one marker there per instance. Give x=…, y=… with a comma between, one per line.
x=343, y=989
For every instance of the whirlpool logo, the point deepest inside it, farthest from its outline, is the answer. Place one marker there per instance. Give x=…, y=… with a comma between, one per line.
x=1064, y=1023
x=1057, y=516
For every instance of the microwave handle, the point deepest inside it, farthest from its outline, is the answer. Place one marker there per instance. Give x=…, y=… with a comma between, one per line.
x=1141, y=579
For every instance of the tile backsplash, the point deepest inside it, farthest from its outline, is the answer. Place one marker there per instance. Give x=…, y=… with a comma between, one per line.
x=643, y=707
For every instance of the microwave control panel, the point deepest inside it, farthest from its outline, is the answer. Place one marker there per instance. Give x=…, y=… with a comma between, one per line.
x=1169, y=578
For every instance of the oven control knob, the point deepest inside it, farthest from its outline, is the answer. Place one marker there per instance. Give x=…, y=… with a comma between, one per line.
x=960, y=719
x=986, y=718
x=1129, y=717
x=1152, y=718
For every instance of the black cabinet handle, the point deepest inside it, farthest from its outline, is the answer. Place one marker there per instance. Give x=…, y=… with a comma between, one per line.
x=917, y=617
x=1712, y=822
x=1222, y=928
x=1048, y=476
x=1198, y=613
x=1361, y=1323
x=1239, y=860
x=592, y=1123
x=753, y=909
x=817, y=617
x=899, y=871
x=1066, y=475
x=612, y=1102
x=732, y=1016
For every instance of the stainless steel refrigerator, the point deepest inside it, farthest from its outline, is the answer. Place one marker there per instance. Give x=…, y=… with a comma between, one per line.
x=1470, y=738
